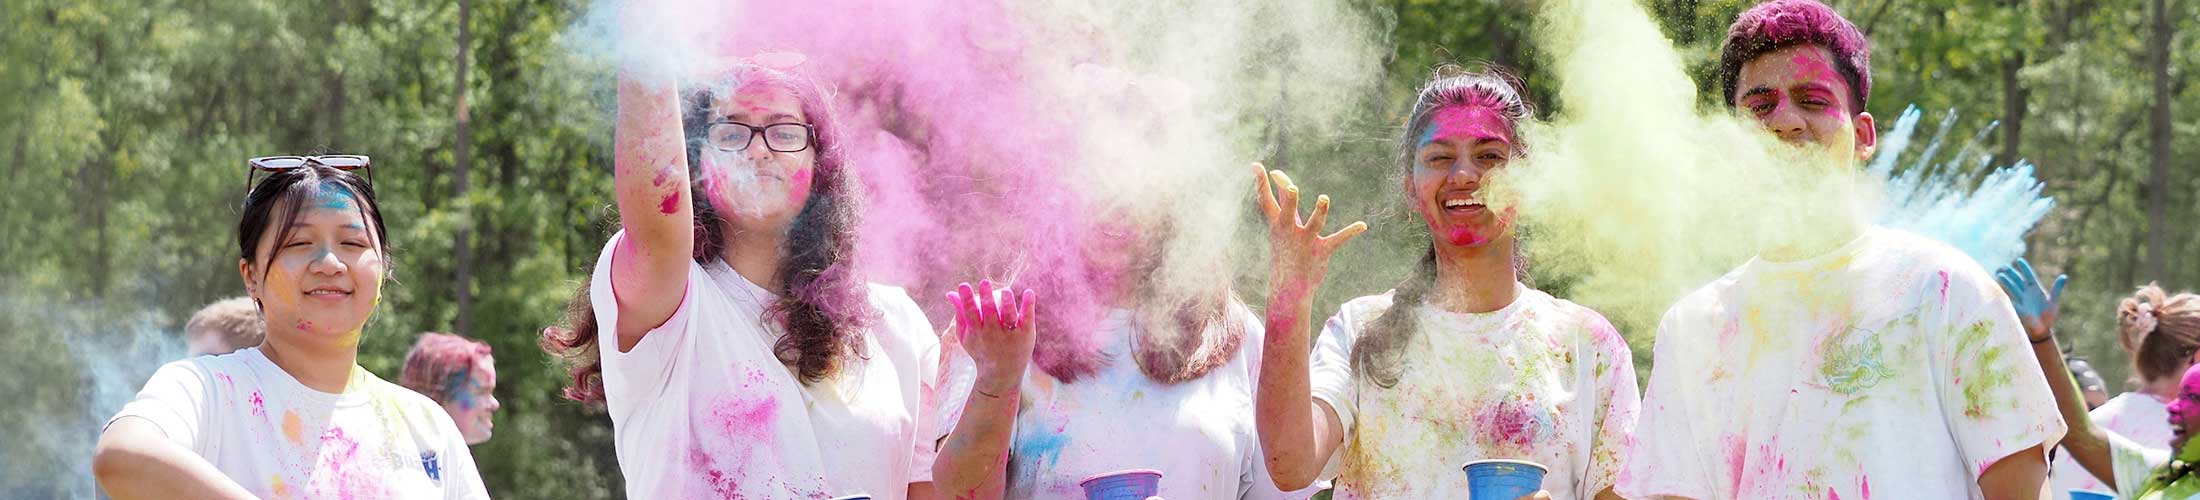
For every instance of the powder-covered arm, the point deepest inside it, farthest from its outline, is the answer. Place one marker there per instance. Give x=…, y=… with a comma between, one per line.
x=650, y=175
x=998, y=331
x=2037, y=309
x=135, y=459
x=1297, y=432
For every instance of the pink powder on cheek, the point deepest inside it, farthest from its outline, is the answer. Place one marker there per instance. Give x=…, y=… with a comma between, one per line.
x=798, y=186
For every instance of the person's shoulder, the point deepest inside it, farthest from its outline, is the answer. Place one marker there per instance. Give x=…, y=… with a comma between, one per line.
x=1906, y=248
x=1368, y=306
x=1588, y=323
x=899, y=322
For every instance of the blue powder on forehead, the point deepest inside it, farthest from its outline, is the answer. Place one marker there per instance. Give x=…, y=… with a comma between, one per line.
x=333, y=196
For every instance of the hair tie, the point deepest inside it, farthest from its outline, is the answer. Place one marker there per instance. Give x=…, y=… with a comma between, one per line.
x=2144, y=322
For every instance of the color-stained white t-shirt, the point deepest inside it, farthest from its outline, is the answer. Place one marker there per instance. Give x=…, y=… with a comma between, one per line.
x=1542, y=379
x=2135, y=416
x=2135, y=463
x=701, y=408
x=280, y=439
x=1892, y=364
x=1198, y=433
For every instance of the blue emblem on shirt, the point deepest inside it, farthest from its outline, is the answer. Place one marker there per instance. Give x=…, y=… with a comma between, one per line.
x=428, y=463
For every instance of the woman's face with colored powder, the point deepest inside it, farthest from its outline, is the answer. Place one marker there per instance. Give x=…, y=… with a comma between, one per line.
x=1458, y=150
x=2184, y=412
x=474, y=401
x=320, y=282
x=757, y=188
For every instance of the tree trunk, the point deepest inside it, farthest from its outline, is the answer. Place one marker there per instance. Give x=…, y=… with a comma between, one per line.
x=2158, y=180
x=2013, y=108
x=462, y=281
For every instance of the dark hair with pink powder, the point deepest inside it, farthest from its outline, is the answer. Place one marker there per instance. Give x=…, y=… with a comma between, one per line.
x=1377, y=353
x=1779, y=24
x=824, y=304
x=440, y=363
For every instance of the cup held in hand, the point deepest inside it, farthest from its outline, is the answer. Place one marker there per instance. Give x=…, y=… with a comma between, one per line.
x=1503, y=479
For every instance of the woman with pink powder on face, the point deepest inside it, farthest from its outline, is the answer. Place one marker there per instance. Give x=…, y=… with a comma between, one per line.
x=1462, y=362
x=2135, y=470
x=736, y=347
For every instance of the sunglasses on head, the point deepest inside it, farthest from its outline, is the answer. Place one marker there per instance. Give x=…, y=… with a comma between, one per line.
x=273, y=164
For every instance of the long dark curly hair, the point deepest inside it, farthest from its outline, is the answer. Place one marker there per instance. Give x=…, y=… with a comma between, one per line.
x=823, y=304
x=1376, y=354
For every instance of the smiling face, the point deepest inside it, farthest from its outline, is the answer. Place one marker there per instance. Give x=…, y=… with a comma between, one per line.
x=320, y=280
x=2184, y=412
x=1461, y=146
x=759, y=189
x=1798, y=95
x=474, y=402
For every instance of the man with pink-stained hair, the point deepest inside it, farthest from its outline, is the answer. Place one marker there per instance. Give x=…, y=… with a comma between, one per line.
x=1874, y=359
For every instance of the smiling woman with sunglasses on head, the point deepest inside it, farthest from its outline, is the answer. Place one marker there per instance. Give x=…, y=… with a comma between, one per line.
x=294, y=417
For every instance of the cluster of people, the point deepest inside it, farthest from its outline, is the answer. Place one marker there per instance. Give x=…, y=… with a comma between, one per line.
x=739, y=353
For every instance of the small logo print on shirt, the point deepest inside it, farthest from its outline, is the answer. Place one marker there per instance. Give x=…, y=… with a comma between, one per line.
x=429, y=463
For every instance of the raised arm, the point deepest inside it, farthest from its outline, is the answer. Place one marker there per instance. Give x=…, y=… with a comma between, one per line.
x=2037, y=307
x=1297, y=432
x=998, y=329
x=649, y=266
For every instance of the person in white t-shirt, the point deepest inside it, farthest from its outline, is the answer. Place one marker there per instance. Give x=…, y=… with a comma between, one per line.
x=2159, y=355
x=1140, y=373
x=294, y=417
x=741, y=354
x=2159, y=328
x=1462, y=362
x=1851, y=360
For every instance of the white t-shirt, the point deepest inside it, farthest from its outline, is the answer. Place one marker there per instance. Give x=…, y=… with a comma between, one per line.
x=2135, y=416
x=701, y=408
x=2133, y=462
x=1891, y=364
x=280, y=439
x=1198, y=433
x=1542, y=379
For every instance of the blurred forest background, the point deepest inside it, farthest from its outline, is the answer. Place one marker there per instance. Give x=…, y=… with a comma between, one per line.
x=125, y=125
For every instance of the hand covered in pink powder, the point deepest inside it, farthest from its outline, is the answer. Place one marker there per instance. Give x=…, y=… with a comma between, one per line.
x=1300, y=252
x=998, y=330
x=2037, y=306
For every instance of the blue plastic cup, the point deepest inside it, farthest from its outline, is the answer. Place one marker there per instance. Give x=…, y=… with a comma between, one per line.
x=1134, y=484
x=1503, y=479
x=2090, y=495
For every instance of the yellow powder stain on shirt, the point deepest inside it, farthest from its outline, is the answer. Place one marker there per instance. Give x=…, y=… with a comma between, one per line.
x=292, y=428
x=279, y=489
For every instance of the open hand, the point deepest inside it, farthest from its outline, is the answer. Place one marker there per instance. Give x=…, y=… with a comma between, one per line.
x=997, y=328
x=2037, y=306
x=1301, y=253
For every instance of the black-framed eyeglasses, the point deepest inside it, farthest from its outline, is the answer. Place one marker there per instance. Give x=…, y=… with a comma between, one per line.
x=273, y=164
x=784, y=137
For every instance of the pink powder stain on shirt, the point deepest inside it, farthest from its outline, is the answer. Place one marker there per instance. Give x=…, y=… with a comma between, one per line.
x=1943, y=286
x=1514, y=423
x=259, y=407
x=340, y=473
